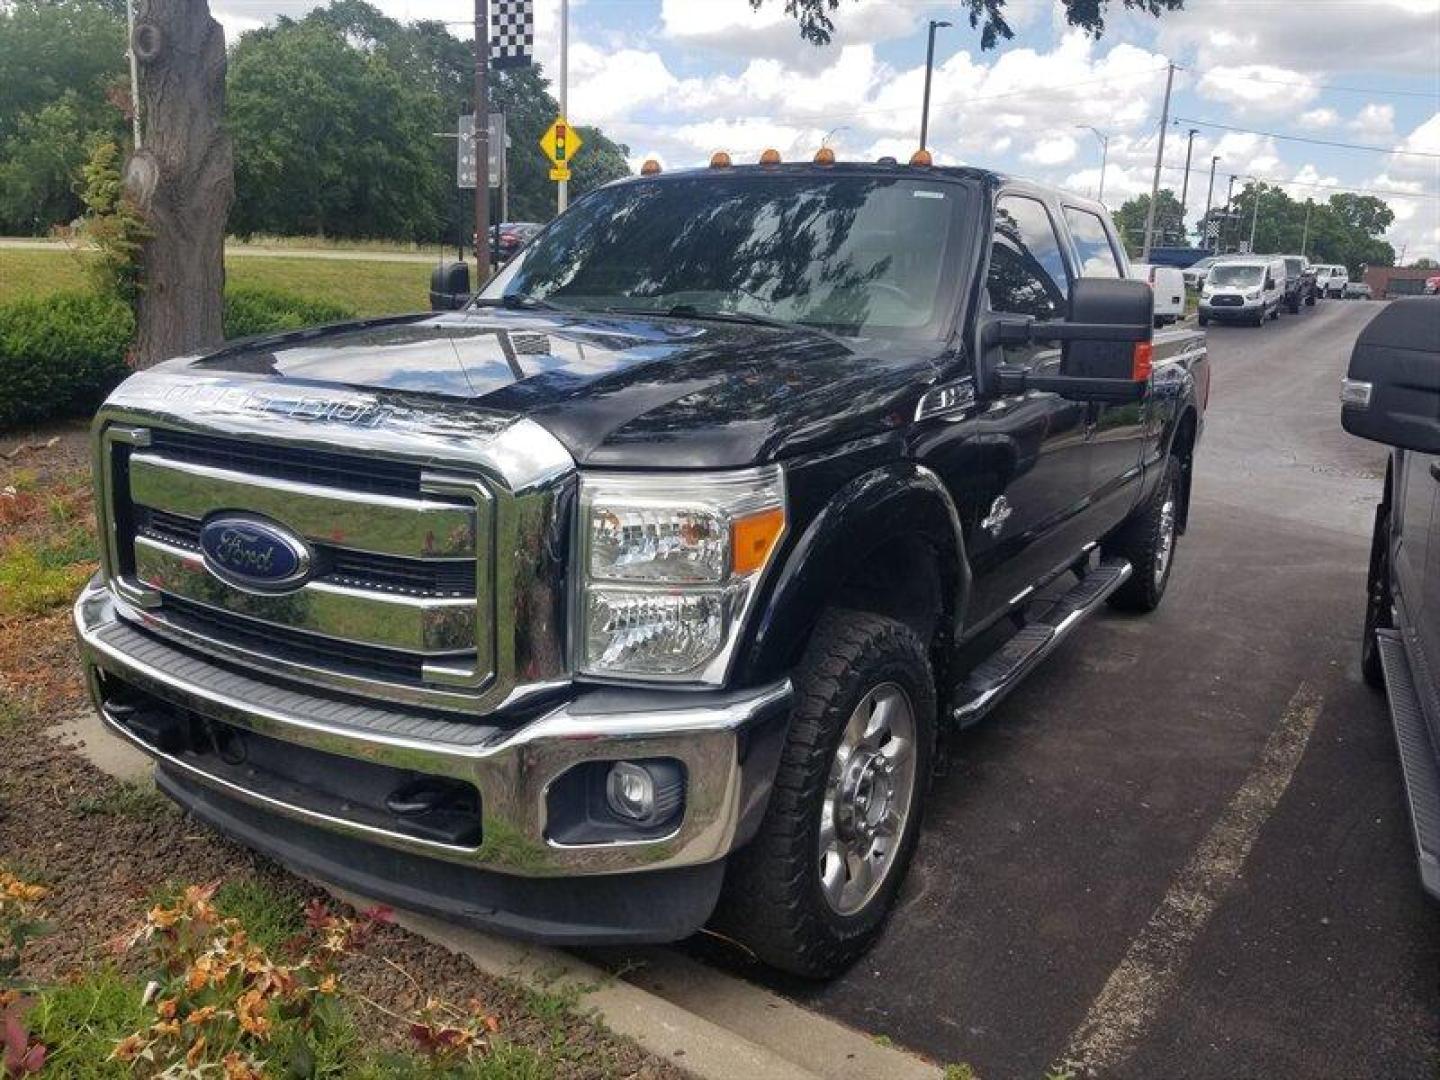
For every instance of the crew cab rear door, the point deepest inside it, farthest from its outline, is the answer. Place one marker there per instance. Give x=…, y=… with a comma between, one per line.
x=1116, y=432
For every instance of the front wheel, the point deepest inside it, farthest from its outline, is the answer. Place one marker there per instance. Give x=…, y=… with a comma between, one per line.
x=1378, y=603
x=811, y=892
x=1147, y=541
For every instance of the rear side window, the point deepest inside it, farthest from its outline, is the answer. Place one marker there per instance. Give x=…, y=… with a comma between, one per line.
x=1027, y=271
x=1092, y=244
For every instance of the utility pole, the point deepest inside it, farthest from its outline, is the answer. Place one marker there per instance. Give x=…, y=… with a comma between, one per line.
x=134, y=70
x=482, y=142
x=1159, y=159
x=1104, y=156
x=1229, y=207
x=1254, y=212
x=1305, y=235
x=1185, y=187
x=562, y=189
x=929, y=68
x=1209, y=195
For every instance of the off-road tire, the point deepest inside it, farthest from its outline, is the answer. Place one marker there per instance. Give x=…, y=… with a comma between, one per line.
x=1294, y=306
x=1138, y=541
x=772, y=901
x=1203, y=320
x=1378, y=601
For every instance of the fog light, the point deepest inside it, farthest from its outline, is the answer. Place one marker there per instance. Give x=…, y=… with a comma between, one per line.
x=630, y=790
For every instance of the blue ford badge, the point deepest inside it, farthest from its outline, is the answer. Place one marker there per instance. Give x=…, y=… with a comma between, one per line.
x=253, y=553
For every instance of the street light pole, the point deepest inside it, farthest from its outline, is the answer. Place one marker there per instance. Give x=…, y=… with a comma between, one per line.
x=1229, y=205
x=1305, y=235
x=1209, y=195
x=1104, y=156
x=935, y=24
x=562, y=190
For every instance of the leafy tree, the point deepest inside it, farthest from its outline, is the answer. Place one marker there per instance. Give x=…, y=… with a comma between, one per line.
x=62, y=76
x=988, y=16
x=1169, y=221
x=1425, y=263
x=1344, y=230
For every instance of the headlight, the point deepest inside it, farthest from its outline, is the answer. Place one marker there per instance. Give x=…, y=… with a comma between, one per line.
x=668, y=566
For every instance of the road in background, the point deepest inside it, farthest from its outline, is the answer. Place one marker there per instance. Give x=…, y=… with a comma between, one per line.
x=1086, y=877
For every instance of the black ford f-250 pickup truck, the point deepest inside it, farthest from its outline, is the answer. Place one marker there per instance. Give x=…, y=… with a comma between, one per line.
x=635, y=590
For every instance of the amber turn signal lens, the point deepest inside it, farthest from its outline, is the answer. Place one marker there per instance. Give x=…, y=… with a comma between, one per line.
x=1144, y=359
x=753, y=538
x=770, y=157
x=720, y=160
x=921, y=157
x=650, y=168
x=824, y=156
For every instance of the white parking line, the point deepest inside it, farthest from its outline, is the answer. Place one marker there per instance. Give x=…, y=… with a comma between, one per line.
x=1135, y=990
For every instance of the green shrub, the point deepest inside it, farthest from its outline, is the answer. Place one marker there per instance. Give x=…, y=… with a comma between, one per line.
x=60, y=355
x=264, y=311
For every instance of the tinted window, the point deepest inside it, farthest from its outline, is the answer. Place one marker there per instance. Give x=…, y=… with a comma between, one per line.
x=859, y=255
x=1027, y=272
x=1293, y=267
x=1092, y=243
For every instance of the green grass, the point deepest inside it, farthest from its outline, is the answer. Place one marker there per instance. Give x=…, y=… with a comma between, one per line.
x=370, y=288
x=34, y=578
x=271, y=916
x=81, y=1022
x=127, y=798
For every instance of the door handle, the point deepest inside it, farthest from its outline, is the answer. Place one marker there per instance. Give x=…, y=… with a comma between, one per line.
x=1435, y=470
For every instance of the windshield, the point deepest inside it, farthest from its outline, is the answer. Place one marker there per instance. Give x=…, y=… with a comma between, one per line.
x=1232, y=274
x=856, y=255
x=1293, y=267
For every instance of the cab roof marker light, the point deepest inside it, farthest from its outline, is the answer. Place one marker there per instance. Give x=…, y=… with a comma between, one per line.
x=770, y=157
x=720, y=160
x=887, y=160
x=922, y=158
x=650, y=168
x=824, y=156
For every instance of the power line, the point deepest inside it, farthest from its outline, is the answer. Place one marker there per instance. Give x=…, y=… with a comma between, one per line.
x=1215, y=73
x=1305, y=139
x=1391, y=192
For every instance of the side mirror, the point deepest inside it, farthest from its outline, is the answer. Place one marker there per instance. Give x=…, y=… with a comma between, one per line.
x=1105, y=342
x=449, y=286
x=1391, y=394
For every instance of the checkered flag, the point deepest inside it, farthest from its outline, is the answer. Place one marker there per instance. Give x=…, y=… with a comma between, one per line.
x=512, y=33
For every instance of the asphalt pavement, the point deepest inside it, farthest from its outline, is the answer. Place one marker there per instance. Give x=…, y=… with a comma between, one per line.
x=1181, y=848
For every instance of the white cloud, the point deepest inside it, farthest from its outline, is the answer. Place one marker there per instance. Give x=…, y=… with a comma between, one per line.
x=1374, y=123
x=733, y=27
x=1257, y=88
x=1051, y=150
x=1318, y=118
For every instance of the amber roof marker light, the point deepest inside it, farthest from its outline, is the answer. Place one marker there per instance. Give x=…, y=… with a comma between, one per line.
x=720, y=160
x=824, y=156
x=770, y=157
x=922, y=158
x=650, y=168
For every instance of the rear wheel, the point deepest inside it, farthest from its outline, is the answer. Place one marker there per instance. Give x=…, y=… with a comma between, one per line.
x=1378, y=602
x=1147, y=542
x=811, y=892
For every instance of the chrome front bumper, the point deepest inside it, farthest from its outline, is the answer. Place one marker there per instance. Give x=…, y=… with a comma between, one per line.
x=729, y=745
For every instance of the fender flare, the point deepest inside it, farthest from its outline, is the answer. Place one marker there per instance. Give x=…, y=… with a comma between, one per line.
x=901, y=499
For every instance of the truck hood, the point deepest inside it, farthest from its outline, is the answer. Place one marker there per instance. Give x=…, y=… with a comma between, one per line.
x=617, y=391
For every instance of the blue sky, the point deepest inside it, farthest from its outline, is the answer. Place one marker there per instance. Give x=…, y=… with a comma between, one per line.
x=678, y=79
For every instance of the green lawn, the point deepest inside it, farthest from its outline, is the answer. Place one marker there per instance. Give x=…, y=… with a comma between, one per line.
x=370, y=288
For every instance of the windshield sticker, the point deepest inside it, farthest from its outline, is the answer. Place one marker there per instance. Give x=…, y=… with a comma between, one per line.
x=929, y=194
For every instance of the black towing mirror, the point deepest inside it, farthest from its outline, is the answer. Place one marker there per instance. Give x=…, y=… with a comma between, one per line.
x=1391, y=394
x=449, y=286
x=1105, y=343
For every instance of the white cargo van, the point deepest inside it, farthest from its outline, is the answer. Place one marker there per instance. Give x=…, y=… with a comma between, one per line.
x=1168, y=285
x=1243, y=290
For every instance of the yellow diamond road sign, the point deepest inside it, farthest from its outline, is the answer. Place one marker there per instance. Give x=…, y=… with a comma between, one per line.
x=561, y=142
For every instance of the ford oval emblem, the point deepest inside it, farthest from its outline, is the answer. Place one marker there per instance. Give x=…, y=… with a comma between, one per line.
x=252, y=553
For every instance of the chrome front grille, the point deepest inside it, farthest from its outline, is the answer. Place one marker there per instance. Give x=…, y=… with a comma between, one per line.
x=437, y=536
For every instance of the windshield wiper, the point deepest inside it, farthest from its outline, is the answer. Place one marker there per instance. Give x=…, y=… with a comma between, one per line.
x=519, y=302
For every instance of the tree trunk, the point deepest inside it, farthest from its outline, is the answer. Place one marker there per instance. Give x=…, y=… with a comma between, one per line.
x=183, y=180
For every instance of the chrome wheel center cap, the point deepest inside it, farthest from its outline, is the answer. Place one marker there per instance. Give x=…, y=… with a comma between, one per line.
x=866, y=793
